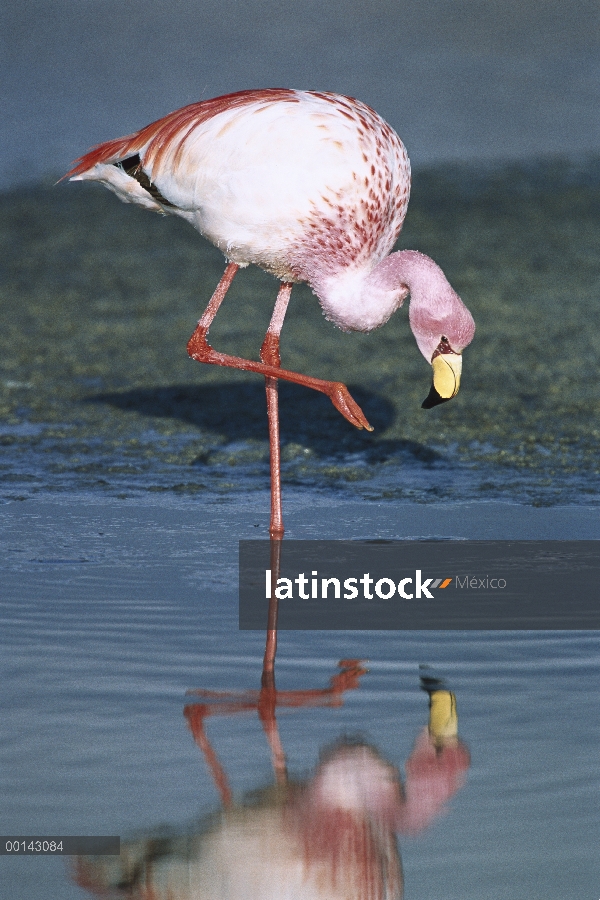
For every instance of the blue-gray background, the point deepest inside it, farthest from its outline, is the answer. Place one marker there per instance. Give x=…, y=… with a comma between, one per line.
x=469, y=79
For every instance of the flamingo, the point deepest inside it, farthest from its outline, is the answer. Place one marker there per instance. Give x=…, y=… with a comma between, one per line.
x=310, y=186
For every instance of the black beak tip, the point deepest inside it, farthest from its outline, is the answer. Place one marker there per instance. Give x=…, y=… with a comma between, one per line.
x=433, y=399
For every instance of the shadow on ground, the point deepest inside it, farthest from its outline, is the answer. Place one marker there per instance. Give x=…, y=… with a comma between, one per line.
x=236, y=411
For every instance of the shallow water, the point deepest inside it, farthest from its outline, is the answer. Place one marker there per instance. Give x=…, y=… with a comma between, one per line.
x=112, y=610
x=97, y=393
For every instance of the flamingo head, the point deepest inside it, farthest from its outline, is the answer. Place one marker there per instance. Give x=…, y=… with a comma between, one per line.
x=360, y=300
x=440, y=321
x=442, y=331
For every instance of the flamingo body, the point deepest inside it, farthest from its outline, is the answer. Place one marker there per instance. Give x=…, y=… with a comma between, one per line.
x=309, y=186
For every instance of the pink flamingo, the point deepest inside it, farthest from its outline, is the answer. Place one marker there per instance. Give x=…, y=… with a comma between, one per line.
x=311, y=187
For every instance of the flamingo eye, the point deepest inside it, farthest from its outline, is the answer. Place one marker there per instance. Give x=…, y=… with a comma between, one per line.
x=445, y=339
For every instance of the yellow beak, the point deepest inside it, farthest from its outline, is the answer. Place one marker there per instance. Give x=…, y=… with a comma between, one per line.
x=447, y=368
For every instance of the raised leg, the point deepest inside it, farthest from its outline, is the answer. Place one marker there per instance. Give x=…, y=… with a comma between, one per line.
x=200, y=350
x=195, y=714
x=265, y=702
x=214, y=304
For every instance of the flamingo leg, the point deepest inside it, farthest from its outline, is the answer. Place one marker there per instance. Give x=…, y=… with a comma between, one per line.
x=267, y=700
x=266, y=713
x=216, y=299
x=200, y=350
x=269, y=354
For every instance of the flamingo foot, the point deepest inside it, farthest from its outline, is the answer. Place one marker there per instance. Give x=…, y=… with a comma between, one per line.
x=343, y=401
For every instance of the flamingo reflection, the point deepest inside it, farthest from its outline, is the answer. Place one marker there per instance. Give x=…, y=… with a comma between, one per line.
x=265, y=702
x=329, y=837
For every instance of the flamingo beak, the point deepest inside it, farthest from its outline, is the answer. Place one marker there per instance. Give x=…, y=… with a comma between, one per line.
x=447, y=367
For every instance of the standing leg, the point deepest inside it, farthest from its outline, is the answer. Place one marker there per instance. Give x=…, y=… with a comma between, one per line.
x=269, y=354
x=267, y=704
x=267, y=701
x=276, y=525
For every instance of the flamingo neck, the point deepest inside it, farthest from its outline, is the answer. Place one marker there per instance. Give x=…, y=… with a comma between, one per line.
x=420, y=275
x=354, y=301
x=361, y=299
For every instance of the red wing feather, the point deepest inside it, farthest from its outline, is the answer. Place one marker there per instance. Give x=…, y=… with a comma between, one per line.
x=159, y=135
x=110, y=151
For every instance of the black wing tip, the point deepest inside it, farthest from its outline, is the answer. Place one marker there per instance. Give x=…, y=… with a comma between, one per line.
x=132, y=166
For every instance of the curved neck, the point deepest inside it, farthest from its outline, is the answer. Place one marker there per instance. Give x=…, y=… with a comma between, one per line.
x=362, y=299
x=419, y=274
x=436, y=310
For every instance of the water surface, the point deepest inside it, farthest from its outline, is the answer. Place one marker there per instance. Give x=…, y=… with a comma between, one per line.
x=112, y=610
